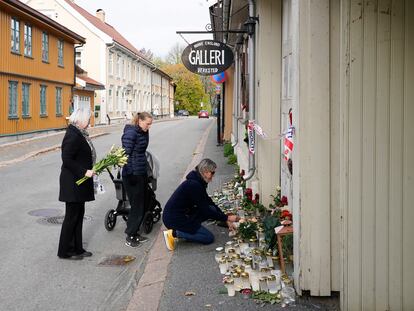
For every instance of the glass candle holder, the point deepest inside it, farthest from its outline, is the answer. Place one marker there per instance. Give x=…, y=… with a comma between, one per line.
x=253, y=243
x=269, y=259
x=237, y=281
x=243, y=247
x=219, y=253
x=229, y=283
x=260, y=233
x=271, y=284
x=223, y=265
x=254, y=280
x=263, y=284
x=245, y=280
x=229, y=244
x=248, y=263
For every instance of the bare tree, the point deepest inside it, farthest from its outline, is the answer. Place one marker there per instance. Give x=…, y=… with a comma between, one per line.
x=174, y=55
x=147, y=54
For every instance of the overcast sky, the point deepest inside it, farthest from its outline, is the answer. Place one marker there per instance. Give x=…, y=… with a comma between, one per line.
x=152, y=24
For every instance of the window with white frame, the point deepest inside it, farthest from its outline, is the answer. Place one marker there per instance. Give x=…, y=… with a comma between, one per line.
x=43, y=111
x=15, y=35
x=13, y=99
x=128, y=70
x=118, y=66
x=110, y=63
x=123, y=69
x=27, y=40
x=25, y=99
x=58, y=101
x=60, y=45
x=81, y=102
x=110, y=98
x=138, y=73
x=45, y=47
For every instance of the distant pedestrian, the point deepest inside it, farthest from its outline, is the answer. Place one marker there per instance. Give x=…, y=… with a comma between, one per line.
x=135, y=140
x=190, y=205
x=78, y=158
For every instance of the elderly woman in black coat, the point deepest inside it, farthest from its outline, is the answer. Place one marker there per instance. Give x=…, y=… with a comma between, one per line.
x=135, y=141
x=190, y=205
x=78, y=157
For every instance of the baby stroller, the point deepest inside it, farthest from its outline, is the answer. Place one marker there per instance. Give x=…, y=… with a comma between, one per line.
x=152, y=207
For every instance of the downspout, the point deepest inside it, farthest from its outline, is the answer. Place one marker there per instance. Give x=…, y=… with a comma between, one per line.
x=236, y=107
x=251, y=22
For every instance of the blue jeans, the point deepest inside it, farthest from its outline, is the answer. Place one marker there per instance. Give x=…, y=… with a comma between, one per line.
x=202, y=235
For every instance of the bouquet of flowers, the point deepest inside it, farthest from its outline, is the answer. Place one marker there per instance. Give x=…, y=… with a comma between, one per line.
x=115, y=157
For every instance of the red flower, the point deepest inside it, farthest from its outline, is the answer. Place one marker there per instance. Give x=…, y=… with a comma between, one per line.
x=256, y=197
x=286, y=215
x=249, y=194
x=284, y=201
x=242, y=173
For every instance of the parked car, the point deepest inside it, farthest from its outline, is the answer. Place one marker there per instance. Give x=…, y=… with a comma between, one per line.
x=183, y=113
x=203, y=114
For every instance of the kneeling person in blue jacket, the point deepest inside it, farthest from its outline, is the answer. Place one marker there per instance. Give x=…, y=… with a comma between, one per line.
x=190, y=205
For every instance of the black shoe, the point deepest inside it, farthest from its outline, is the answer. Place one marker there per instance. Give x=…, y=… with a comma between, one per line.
x=132, y=241
x=84, y=254
x=73, y=257
x=141, y=239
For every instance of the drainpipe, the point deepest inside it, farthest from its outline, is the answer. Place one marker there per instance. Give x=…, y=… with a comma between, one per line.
x=236, y=106
x=251, y=22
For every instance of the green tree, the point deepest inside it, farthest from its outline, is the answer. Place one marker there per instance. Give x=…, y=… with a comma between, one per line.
x=190, y=89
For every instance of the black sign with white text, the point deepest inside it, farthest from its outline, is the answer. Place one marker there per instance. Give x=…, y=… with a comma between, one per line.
x=207, y=57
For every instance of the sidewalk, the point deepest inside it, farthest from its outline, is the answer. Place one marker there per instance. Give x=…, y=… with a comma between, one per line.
x=193, y=268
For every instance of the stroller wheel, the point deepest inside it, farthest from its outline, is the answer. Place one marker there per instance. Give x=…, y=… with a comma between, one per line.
x=156, y=216
x=110, y=220
x=148, y=223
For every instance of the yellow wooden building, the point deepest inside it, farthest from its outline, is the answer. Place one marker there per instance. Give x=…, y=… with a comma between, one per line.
x=37, y=70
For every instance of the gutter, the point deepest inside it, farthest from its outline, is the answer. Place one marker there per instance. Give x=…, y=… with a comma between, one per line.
x=251, y=23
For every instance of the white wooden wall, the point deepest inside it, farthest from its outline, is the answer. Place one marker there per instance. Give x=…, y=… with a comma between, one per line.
x=377, y=153
x=268, y=95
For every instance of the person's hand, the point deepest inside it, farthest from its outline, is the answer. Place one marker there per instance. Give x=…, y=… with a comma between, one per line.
x=231, y=225
x=89, y=173
x=233, y=218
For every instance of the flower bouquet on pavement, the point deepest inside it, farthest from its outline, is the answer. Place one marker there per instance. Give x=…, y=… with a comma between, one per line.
x=115, y=157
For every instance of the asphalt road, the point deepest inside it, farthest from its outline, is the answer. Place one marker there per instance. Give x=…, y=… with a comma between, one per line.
x=31, y=275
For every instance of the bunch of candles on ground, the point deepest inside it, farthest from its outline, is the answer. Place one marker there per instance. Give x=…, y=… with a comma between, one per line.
x=246, y=265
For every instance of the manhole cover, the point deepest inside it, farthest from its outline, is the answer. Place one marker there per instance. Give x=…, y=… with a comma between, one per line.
x=45, y=212
x=116, y=260
x=58, y=220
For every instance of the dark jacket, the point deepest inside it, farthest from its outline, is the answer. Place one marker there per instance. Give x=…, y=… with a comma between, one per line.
x=190, y=205
x=135, y=142
x=76, y=160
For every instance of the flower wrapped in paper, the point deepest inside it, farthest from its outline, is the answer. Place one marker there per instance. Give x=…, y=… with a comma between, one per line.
x=115, y=158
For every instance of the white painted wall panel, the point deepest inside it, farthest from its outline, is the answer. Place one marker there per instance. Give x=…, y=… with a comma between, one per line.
x=377, y=118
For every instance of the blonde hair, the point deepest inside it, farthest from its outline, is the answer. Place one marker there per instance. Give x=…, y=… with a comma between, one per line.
x=141, y=116
x=80, y=115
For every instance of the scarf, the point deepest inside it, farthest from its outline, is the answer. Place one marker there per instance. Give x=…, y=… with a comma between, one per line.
x=85, y=134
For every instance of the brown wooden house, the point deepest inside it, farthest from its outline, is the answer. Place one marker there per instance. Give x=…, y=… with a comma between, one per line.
x=37, y=70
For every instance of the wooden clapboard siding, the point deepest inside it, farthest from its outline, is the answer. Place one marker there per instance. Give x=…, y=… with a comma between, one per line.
x=406, y=275
x=377, y=151
x=34, y=71
x=313, y=148
x=34, y=122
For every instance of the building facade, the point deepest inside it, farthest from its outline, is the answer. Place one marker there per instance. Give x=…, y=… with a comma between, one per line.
x=37, y=70
x=107, y=57
x=337, y=72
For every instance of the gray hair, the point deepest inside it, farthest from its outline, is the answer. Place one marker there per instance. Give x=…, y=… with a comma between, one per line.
x=80, y=115
x=206, y=165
